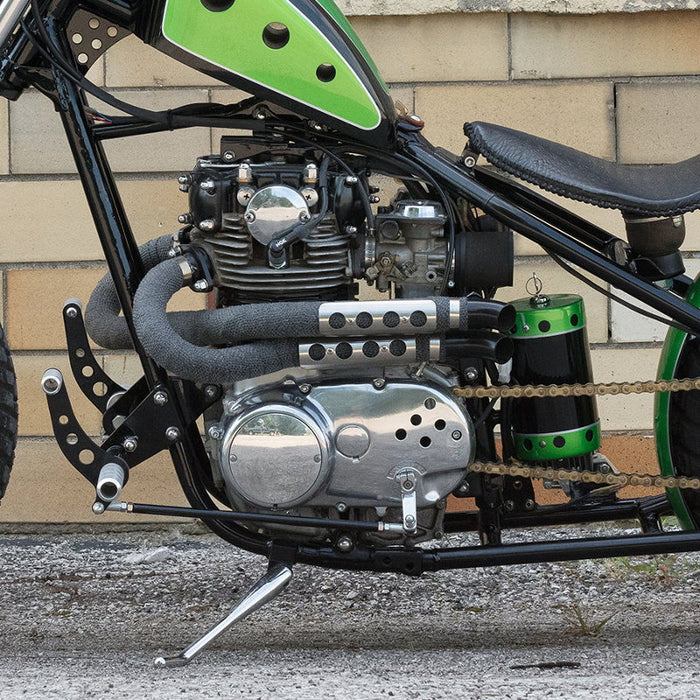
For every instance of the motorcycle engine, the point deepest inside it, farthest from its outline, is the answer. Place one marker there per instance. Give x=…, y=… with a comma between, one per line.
x=376, y=439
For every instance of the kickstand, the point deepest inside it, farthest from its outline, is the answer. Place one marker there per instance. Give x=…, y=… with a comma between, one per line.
x=268, y=587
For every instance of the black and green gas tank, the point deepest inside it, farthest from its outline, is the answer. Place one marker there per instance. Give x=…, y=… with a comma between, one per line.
x=300, y=54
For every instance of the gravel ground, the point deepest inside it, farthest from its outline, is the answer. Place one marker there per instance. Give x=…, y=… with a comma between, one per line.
x=84, y=615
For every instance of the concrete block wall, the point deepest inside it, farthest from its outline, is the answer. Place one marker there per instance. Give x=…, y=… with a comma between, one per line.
x=623, y=86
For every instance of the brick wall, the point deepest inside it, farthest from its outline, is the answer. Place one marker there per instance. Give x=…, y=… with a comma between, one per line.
x=620, y=86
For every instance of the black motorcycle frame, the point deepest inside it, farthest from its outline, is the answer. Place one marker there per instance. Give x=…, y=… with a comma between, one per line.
x=557, y=230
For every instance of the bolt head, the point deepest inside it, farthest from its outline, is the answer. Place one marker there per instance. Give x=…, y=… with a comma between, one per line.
x=249, y=217
x=341, y=507
x=130, y=444
x=208, y=225
x=345, y=543
x=210, y=391
x=215, y=432
x=305, y=388
x=172, y=433
x=160, y=398
x=379, y=383
x=201, y=285
x=471, y=374
x=410, y=521
x=304, y=216
x=229, y=156
x=351, y=180
x=470, y=161
x=456, y=435
x=71, y=312
x=98, y=508
x=51, y=384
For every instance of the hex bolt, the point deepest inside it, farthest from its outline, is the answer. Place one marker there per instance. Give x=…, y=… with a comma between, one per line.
x=305, y=388
x=341, y=507
x=471, y=374
x=71, y=312
x=229, y=156
x=379, y=383
x=407, y=485
x=351, y=230
x=160, y=398
x=130, y=444
x=464, y=488
x=201, y=285
x=410, y=521
x=351, y=180
x=172, y=433
x=215, y=432
x=456, y=435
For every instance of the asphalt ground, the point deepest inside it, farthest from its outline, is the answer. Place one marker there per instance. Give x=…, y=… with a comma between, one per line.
x=84, y=614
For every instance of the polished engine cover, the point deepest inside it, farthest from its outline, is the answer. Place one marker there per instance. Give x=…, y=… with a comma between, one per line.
x=345, y=443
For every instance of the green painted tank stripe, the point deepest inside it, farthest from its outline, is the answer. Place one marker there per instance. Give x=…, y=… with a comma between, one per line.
x=668, y=363
x=232, y=40
x=540, y=447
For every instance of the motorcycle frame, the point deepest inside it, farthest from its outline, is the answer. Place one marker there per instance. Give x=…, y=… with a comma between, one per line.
x=537, y=218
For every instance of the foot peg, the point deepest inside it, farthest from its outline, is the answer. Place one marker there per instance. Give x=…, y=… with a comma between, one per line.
x=266, y=589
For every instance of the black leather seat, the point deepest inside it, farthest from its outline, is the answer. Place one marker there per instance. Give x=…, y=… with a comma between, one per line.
x=658, y=190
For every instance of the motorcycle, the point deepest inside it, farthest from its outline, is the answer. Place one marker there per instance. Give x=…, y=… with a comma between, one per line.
x=306, y=423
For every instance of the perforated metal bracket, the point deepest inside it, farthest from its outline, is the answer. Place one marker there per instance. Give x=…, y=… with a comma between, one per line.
x=78, y=448
x=90, y=36
x=93, y=381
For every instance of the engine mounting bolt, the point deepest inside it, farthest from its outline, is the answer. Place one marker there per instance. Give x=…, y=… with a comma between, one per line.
x=201, y=285
x=456, y=435
x=172, y=433
x=215, y=432
x=345, y=544
x=351, y=180
x=160, y=398
x=379, y=383
x=470, y=161
x=208, y=186
x=130, y=444
x=305, y=388
x=229, y=156
x=249, y=217
x=98, y=507
x=530, y=504
x=471, y=374
x=341, y=507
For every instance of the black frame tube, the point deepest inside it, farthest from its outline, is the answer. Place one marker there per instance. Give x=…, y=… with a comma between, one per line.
x=550, y=238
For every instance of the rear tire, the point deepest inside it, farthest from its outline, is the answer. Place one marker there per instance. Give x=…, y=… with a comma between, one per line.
x=684, y=426
x=8, y=413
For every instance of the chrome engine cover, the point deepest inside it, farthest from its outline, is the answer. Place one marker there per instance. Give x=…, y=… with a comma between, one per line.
x=344, y=443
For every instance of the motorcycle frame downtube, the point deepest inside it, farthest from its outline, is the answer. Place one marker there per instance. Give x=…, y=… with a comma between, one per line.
x=126, y=269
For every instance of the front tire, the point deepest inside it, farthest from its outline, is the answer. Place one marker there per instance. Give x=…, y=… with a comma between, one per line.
x=8, y=413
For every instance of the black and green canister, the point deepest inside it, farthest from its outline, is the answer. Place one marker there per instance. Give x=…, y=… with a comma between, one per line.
x=551, y=347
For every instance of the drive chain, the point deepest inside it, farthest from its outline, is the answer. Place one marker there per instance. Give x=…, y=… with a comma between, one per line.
x=590, y=389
